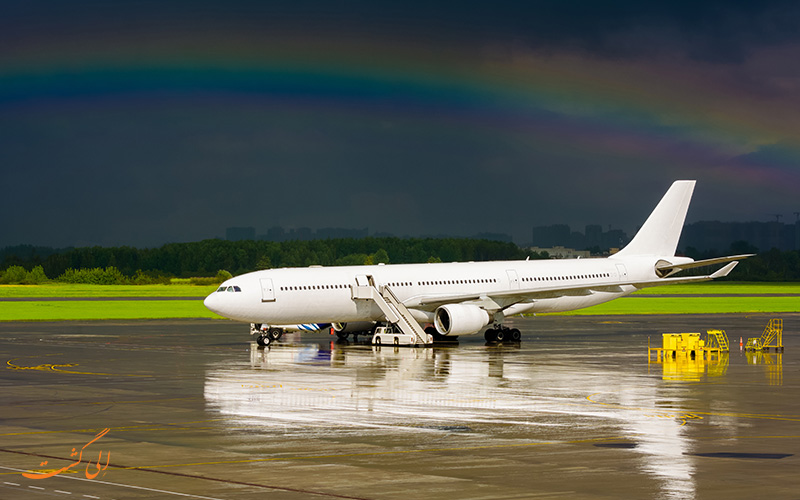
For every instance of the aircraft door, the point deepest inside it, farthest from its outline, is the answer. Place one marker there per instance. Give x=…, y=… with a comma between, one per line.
x=622, y=272
x=267, y=290
x=513, y=279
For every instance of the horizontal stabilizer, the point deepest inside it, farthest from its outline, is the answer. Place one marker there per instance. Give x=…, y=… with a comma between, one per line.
x=667, y=268
x=725, y=270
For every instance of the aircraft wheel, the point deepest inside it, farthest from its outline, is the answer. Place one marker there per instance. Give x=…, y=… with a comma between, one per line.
x=263, y=340
x=275, y=333
x=342, y=335
x=515, y=335
x=490, y=335
x=500, y=335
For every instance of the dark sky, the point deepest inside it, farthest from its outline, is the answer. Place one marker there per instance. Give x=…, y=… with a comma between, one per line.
x=146, y=122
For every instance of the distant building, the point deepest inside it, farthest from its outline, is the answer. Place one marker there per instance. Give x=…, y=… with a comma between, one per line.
x=560, y=235
x=340, y=232
x=240, y=233
x=718, y=236
x=550, y=236
x=494, y=237
x=559, y=252
x=275, y=233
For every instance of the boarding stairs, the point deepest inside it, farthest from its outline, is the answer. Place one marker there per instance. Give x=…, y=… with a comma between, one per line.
x=772, y=333
x=717, y=340
x=395, y=311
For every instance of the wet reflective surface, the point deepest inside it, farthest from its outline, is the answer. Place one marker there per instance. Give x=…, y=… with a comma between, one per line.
x=574, y=410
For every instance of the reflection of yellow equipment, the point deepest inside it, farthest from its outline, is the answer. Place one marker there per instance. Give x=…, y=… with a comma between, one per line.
x=718, y=367
x=685, y=355
x=773, y=332
x=773, y=363
x=683, y=367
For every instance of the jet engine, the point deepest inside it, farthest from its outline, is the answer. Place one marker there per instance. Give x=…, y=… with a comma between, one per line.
x=460, y=319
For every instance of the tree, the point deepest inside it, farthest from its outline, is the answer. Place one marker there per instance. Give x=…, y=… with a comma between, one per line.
x=35, y=276
x=15, y=274
x=380, y=257
x=264, y=262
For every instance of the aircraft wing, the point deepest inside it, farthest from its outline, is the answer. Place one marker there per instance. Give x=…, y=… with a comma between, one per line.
x=501, y=300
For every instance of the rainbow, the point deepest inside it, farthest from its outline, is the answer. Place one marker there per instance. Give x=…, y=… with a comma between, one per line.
x=553, y=102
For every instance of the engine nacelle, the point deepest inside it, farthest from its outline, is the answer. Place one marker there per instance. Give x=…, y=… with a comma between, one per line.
x=460, y=319
x=354, y=326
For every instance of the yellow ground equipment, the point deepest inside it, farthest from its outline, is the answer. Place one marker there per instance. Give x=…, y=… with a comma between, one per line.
x=685, y=356
x=772, y=333
x=690, y=344
x=716, y=341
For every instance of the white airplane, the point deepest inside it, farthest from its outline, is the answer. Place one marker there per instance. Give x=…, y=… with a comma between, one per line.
x=462, y=298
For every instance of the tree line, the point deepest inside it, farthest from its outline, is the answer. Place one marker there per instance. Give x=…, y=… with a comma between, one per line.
x=103, y=265
x=213, y=260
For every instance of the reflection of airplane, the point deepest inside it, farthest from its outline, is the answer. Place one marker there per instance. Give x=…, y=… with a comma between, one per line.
x=463, y=298
x=498, y=397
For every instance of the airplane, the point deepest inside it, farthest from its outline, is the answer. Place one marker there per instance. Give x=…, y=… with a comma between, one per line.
x=393, y=301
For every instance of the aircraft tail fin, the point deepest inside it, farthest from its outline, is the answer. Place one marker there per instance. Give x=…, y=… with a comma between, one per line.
x=661, y=231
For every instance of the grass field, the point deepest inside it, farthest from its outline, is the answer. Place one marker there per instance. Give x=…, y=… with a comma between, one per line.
x=47, y=310
x=739, y=298
x=59, y=290
x=723, y=287
x=692, y=305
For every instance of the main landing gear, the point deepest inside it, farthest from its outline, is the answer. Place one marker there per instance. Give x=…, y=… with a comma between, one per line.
x=266, y=337
x=500, y=333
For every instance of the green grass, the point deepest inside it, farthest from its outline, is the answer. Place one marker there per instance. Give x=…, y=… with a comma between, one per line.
x=47, y=310
x=692, y=305
x=53, y=290
x=647, y=302
x=722, y=287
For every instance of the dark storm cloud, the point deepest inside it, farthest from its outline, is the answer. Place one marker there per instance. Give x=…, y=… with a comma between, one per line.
x=714, y=30
x=128, y=154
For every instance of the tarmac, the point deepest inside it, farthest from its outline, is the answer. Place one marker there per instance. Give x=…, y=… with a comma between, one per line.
x=195, y=409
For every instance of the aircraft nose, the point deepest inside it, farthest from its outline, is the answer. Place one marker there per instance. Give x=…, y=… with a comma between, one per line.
x=212, y=303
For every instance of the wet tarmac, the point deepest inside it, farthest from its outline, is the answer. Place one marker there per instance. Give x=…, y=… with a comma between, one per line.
x=195, y=410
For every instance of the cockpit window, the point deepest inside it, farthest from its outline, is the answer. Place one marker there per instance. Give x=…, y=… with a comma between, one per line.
x=229, y=289
x=236, y=289
x=221, y=289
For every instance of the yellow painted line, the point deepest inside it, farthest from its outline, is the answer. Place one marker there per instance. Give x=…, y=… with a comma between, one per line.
x=131, y=428
x=55, y=368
